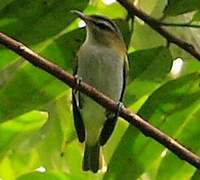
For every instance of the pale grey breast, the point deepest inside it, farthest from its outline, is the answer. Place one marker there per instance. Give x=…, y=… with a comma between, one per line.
x=102, y=68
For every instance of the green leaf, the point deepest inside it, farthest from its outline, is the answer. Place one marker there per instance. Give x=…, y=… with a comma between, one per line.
x=65, y=153
x=8, y=58
x=113, y=10
x=30, y=88
x=146, y=77
x=12, y=131
x=4, y=3
x=144, y=63
x=58, y=129
x=172, y=102
x=171, y=105
x=45, y=176
x=125, y=30
x=196, y=16
x=188, y=134
x=37, y=20
x=34, y=22
x=145, y=37
x=196, y=175
x=169, y=108
x=190, y=66
x=25, y=92
x=169, y=96
x=176, y=7
x=6, y=171
x=40, y=25
x=144, y=72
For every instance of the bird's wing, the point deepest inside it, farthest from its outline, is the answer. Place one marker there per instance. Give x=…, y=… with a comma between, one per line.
x=78, y=121
x=111, y=118
x=125, y=77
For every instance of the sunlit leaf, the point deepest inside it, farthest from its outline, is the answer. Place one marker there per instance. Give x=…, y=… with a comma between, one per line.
x=11, y=131
x=45, y=176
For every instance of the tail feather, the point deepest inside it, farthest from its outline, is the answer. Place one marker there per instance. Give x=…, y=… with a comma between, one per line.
x=86, y=159
x=91, y=157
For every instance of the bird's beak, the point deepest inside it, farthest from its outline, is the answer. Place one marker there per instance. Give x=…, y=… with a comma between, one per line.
x=84, y=17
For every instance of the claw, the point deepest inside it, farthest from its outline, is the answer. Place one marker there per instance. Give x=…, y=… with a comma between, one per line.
x=119, y=108
x=78, y=81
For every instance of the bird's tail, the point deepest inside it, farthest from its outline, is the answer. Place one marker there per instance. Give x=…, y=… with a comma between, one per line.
x=91, y=159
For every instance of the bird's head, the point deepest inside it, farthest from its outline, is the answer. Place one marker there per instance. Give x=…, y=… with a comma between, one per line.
x=101, y=29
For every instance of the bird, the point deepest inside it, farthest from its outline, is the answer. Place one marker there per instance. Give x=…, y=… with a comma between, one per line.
x=102, y=63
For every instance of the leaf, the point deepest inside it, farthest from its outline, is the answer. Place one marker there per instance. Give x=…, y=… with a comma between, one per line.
x=144, y=71
x=145, y=38
x=190, y=66
x=11, y=131
x=169, y=96
x=65, y=153
x=196, y=175
x=144, y=62
x=146, y=77
x=24, y=92
x=38, y=24
x=172, y=102
x=4, y=3
x=6, y=171
x=125, y=30
x=169, y=108
x=34, y=22
x=8, y=58
x=189, y=35
x=37, y=20
x=188, y=134
x=113, y=10
x=30, y=88
x=45, y=176
x=176, y=7
x=196, y=16
x=58, y=129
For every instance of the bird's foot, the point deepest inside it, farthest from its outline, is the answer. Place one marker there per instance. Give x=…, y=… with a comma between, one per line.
x=78, y=80
x=120, y=106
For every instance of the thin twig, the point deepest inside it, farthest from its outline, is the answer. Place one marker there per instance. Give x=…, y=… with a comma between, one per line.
x=154, y=24
x=146, y=128
x=188, y=25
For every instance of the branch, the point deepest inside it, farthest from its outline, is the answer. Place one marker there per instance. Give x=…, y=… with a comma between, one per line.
x=188, y=25
x=146, y=128
x=156, y=25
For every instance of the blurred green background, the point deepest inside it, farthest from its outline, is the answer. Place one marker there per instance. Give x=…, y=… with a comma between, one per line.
x=37, y=137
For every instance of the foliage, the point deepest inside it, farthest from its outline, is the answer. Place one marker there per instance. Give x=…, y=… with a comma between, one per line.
x=36, y=126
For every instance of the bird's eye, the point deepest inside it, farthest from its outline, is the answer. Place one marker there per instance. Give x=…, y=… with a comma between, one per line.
x=103, y=26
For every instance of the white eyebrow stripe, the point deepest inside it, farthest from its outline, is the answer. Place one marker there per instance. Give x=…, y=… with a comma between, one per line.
x=106, y=23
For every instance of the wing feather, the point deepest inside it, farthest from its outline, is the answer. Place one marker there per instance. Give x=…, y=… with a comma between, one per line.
x=111, y=118
x=78, y=121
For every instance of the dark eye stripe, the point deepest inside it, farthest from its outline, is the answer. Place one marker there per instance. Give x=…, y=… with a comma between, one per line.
x=103, y=26
x=112, y=26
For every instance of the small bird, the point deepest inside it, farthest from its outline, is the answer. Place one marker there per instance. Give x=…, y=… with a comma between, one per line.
x=102, y=63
